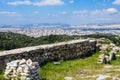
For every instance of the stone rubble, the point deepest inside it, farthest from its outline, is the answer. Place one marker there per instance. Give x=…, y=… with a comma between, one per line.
x=111, y=54
x=102, y=59
x=104, y=48
x=68, y=78
x=102, y=77
x=56, y=63
x=23, y=70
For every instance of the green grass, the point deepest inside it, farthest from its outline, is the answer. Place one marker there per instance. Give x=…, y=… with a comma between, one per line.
x=79, y=69
x=70, y=68
x=2, y=75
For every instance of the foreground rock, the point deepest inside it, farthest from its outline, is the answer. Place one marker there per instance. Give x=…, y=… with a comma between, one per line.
x=104, y=48
x=68, y=78
x=112, y=55
x=103, y=59
x=23, y=70
x=102, y=77
x=108, y=51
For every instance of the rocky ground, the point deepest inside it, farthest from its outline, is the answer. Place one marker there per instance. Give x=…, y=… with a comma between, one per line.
x=88, y=68
x=82, y=69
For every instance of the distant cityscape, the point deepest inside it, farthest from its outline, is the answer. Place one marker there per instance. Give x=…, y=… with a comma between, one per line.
x=38, y=30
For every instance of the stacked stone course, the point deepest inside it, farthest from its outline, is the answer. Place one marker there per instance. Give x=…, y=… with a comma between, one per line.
x=51, y=52
x=23, y=70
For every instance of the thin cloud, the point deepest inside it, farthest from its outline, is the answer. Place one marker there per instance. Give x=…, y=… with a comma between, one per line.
x=40, y=3
x=109, y=14
x=112, y=10
x=52, y=15
x=97, y=12
x=7, y=13
x=49, y=3
x=63, y=12
x=117, y=2
x=36, y=12
x=15, y=3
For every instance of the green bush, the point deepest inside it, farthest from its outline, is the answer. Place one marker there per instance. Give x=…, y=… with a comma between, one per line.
x=10, y=40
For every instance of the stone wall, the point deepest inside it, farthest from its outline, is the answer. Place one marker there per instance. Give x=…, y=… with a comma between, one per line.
x=51, y=52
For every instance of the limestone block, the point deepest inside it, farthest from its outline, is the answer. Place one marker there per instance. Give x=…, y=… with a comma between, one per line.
x=22, y=78
x=104, y=48
x=68, y=78
x=22, y=69
x=23, y=61
x=13, y=64
x=112, y=55
x=56, y=63
x=102, y=59
x=29, y=62
x=116, y=49
x=19, y=69
x=102, y=77
x=28, y=78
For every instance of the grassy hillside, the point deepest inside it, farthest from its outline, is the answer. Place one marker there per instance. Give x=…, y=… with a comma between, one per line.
x=79, y=69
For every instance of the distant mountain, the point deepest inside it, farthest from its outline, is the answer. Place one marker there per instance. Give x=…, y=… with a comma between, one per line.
x=47, y=24
x=36, y=25
x=6, y=26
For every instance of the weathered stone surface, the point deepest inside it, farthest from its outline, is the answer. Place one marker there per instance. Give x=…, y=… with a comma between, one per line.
x=51, y=52
x=116, y=49
x=112, y=55
x=13, y=64
x=22, y=69
x=56, y=63
x=102, y=59
x=109, y=50
x=102, y=77
x=104, y=48
x=68, y=78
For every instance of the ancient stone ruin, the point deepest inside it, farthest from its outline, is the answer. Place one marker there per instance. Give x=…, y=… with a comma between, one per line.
x=112, y=55
x=51, y=52
x=102, y=59
x=23, y=70
x=107, y=55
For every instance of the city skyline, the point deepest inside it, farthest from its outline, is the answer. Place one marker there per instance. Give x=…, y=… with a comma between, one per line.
x=74, y=12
